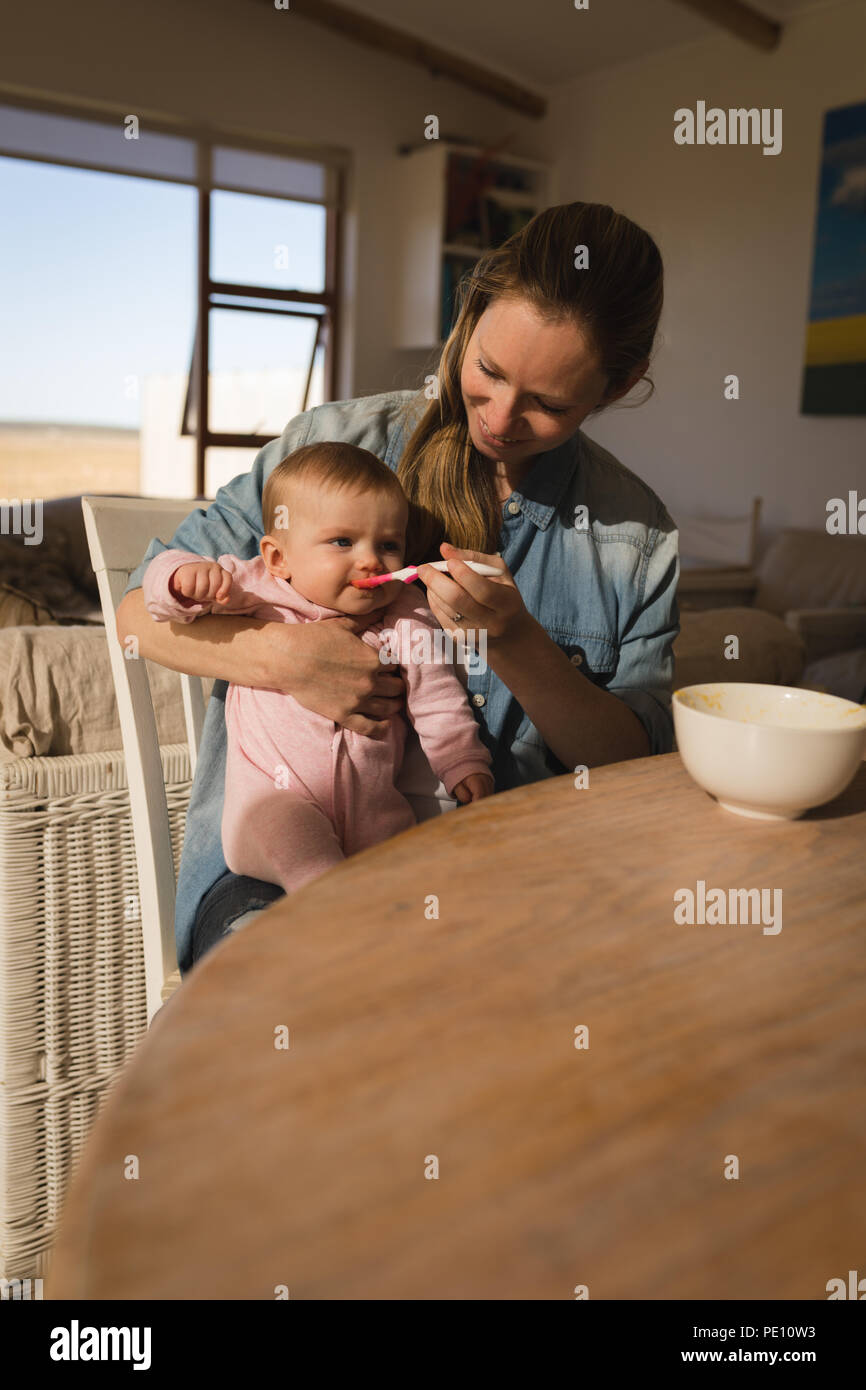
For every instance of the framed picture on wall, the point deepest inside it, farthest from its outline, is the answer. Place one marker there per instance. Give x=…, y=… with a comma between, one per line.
x=834, y=374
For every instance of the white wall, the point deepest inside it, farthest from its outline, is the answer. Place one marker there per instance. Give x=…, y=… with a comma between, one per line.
x=736, y=231
x=242, y=63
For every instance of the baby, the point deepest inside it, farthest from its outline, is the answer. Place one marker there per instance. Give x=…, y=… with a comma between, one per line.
x=303, y=792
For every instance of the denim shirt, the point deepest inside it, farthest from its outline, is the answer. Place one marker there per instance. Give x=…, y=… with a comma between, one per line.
x=591, y=548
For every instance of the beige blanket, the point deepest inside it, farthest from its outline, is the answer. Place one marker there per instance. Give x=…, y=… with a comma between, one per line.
x=57, y=695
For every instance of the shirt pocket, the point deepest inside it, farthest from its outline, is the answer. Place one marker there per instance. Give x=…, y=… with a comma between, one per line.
x=593, y=654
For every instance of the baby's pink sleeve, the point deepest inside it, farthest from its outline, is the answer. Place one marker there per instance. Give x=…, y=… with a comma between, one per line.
x=437, y=705
x=161, y=603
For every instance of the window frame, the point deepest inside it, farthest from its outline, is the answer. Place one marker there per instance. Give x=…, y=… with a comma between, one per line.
x=207, y=140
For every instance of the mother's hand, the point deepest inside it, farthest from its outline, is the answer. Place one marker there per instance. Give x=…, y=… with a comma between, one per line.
x=330, y=670
x=324, y=665
x=491, y=604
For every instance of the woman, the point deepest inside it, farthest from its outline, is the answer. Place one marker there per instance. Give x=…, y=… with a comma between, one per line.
x=579, y=628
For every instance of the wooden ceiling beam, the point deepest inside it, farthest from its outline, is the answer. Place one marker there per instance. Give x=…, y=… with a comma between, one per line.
x=350, y=24
x=740, y=19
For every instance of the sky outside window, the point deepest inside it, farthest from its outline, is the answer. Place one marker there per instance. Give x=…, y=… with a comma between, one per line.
x=97, y=287
x=267, y=241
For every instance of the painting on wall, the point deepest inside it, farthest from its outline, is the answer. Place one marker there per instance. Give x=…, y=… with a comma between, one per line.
x=834, y=376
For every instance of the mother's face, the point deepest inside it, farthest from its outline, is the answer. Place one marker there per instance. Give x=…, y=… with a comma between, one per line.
x=527, y=383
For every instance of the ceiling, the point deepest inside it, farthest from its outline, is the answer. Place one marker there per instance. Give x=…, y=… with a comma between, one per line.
x=542, y=43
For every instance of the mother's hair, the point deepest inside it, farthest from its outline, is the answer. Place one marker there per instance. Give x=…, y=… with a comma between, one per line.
x=616, y=303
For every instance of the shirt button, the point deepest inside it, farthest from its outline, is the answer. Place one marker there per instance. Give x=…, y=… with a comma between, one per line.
x=513, y=508
x=478, y=700
x=577, y=659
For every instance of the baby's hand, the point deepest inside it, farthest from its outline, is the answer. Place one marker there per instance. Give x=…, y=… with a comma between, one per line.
x=474, y=788
x=203, y=581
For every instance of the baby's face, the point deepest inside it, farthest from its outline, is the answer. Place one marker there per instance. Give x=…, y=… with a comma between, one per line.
x=335, y=536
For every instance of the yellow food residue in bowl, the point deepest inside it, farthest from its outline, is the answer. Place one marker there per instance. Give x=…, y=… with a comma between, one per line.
x=714, y=700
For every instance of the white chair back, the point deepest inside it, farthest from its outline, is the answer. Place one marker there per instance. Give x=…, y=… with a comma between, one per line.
x=119, y=530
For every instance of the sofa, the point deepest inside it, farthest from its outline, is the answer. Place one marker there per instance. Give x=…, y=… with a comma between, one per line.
x=801, y=619
x=72, y=999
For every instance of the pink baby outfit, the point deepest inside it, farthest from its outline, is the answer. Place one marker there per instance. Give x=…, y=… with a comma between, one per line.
x=302, y=792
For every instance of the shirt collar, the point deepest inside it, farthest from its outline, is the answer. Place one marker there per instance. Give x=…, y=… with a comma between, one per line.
x=545, y=485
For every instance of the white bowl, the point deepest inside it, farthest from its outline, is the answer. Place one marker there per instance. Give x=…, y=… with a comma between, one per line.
x=768, y=751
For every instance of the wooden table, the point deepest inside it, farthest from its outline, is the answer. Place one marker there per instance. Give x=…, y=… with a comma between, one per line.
x=412, y=1036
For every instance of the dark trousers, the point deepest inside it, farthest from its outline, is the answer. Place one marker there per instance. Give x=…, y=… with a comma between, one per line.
x=222, y=908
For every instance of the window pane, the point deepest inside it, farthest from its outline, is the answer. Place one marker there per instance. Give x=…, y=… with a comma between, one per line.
x=267, y=241
x=221, y=465
x=59, y=460
x=92, y=315
x=258, y=370
x=269, y=173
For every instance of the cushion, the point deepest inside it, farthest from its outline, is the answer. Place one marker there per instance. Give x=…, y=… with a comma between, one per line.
x=17, y=609
x=55, y=574
x=843, y=673
x=57, y=694
x=769, y=652
x=811, y=569
x=41, y=574
x=828, y=630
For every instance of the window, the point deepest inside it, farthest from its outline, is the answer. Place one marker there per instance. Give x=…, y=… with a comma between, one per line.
x=97, y=287
x=181, y=285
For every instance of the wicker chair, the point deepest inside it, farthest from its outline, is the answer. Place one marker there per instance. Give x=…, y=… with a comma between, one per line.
x=72, y=995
